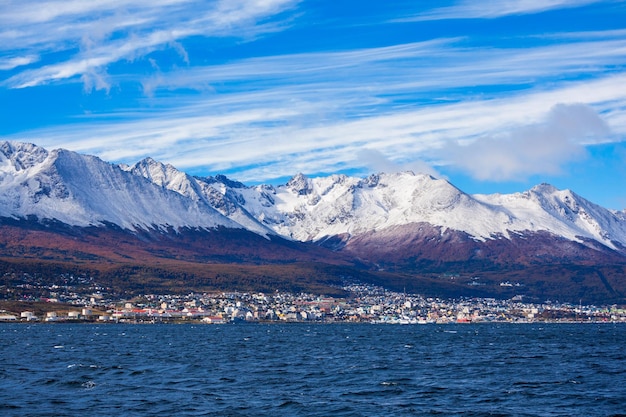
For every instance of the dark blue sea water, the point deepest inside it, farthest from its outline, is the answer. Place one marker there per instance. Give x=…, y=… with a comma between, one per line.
x=312, y=370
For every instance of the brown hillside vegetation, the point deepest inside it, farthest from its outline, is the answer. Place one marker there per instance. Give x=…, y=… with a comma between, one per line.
x=168, y=261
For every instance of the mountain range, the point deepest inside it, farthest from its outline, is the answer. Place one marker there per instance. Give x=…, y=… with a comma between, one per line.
x=150, y=226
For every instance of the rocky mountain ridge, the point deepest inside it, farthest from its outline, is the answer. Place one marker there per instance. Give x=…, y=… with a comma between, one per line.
x=85, y=191
x=403, y=230
x=82, y=190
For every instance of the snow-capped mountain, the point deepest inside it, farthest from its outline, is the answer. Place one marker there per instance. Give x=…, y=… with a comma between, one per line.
x=563, y=213
x=201, y=191
x=84, y=190
x=314, y=209
x=401, y=230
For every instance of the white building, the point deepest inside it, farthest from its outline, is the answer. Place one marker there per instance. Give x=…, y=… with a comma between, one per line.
x=28, y=316
x=7, y=317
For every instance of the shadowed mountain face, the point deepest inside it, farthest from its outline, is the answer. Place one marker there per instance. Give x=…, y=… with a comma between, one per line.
x=150, y=226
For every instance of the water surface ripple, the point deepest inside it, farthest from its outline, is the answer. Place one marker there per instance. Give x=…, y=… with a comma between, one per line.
x=313, y=370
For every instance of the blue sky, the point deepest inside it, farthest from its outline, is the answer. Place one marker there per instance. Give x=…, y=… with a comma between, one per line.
x=494, y=95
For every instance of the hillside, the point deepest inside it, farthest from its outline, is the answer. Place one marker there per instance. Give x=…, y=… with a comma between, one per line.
x=152, y=227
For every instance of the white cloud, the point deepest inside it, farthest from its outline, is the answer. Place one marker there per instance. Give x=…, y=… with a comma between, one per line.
x=376, y=162
x=373, y=77
x=387, y=108
x=9, y=63
x=490, y=9
x=540, y=148
x=274, y=139
x=94, y=34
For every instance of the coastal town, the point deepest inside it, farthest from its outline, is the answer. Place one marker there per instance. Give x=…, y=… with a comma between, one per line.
x=79, y=299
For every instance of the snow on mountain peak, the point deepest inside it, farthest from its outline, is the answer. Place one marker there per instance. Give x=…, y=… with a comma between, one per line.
x=214, y=192
x=167, y=176
x=222, y=179
x=84, y=190
x=544, y=188
x=17, y=156
x=300, y=184
x=312, y=209
x=561, y=212
x=337, y=205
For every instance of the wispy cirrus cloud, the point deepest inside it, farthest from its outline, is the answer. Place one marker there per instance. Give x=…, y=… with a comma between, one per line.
x=372, y=76
x=274, y=139
x=417, y=105
x=9, y=63
x=89, y=36
x=491, y=9
x=405, y=104
x=261, y=89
